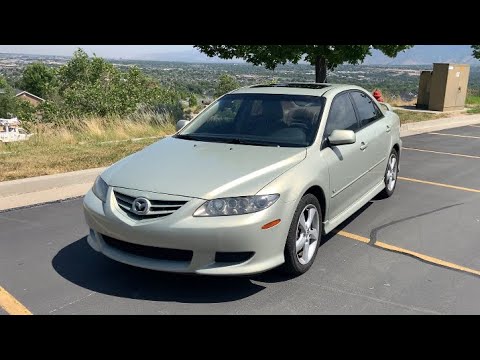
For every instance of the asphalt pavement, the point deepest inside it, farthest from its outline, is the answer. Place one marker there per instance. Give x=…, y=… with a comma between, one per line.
x=415, y=253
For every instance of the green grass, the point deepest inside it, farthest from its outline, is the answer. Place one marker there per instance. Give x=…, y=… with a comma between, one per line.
x=473, y=103
x=474, y=110
x=77, y=146
x=412, y=116
x=473, y=100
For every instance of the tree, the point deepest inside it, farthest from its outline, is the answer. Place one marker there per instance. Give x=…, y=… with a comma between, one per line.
x=38, y=79
x=323, y=57
x=226, y=83
x=8, y=101
x=476, y=51
x=192, y=100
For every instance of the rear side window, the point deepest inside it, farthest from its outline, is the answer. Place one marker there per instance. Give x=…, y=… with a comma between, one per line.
x=342, y=115
x=367, y=110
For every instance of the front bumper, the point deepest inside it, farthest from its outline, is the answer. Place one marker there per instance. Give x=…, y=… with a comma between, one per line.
x=204, y=236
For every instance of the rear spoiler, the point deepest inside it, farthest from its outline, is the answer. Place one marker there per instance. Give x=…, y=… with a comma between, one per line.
x=386, y=106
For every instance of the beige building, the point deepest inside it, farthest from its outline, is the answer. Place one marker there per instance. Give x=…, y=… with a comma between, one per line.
x=31, y=98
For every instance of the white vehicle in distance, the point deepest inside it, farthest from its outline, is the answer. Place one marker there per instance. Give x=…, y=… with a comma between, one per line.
x=10, y=131
x=250, y=184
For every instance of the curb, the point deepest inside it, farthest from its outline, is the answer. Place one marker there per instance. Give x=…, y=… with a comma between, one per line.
x=51, y=188
x=42, y=189
x=437, y=124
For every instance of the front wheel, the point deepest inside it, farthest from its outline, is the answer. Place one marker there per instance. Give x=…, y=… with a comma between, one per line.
x=390, y=175
x=303, y=237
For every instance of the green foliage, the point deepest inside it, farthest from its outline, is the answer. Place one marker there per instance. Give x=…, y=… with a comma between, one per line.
x=25, y=111
x=38, y=79
x=473, y=99
x=94, y=87
x=476, y=51
x=226, y=83
x=271, y=56
x=192, y=101
x=11, y=106
x=8, y=102
x=50, y=111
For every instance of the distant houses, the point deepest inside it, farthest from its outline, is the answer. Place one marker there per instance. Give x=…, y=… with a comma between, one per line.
x=31, y=98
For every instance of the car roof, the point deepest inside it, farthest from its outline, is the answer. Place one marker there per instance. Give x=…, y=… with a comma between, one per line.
x=297, y=88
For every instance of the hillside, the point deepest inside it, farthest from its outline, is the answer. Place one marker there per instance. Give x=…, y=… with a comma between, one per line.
x=200, y=78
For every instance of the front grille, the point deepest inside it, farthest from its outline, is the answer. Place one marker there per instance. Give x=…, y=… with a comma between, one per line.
x=233, y=257
x=151, y=252
x=159, y=208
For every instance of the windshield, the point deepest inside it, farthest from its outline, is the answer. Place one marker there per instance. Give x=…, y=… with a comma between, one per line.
x=258, y=119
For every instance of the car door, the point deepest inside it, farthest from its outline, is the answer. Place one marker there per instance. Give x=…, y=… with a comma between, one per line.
x=347, y=164
x=374, y=131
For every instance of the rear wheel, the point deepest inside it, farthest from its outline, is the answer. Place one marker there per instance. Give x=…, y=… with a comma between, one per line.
x=304, y=236
x=390, y=175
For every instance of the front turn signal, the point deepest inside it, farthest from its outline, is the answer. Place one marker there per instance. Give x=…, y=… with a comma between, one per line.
x=271, y=224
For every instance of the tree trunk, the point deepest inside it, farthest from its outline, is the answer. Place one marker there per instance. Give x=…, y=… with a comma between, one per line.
x=320, y=69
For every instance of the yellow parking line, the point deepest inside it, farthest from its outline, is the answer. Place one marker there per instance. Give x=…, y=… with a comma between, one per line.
x=462, y=136
x=477, y=126
x=439, y=184
x=442, y=153
x=421, y=256
x=12, y=305
x=353, y=236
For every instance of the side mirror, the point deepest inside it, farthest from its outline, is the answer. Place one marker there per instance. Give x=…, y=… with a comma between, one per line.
x=342, y=137
x=181, y=124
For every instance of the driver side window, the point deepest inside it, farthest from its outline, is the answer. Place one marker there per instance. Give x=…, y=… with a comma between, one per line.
x=342, y=115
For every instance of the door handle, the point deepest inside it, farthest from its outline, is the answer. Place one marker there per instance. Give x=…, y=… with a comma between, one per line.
x=363, y=146
x=389, y=128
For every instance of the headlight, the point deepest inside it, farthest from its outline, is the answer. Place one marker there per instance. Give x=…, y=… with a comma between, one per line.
x=236, y=205
x=100, y=189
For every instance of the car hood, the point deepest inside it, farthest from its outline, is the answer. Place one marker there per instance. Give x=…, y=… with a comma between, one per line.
x=202, y=169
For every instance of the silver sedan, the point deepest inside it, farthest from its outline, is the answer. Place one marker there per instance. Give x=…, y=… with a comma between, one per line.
x=250, y=184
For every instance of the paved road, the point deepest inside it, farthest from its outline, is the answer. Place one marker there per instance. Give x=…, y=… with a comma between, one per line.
x=46, y=264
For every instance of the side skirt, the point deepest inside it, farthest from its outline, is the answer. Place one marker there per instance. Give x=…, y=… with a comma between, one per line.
x=329, y=225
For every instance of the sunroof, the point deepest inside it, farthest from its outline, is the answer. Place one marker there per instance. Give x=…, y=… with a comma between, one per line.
x=295, y=85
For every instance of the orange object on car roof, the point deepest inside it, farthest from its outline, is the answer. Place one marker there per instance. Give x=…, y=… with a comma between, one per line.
x=377, y=94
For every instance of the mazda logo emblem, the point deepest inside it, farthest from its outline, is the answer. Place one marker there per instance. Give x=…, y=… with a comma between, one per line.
x=140, y=206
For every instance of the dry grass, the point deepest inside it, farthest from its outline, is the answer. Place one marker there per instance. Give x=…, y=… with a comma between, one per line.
x=80, y=143
x=413, y=116
x=396, y=100
x=77, y=145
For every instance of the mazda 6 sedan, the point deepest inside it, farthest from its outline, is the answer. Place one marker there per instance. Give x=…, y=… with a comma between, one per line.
x=251, y=183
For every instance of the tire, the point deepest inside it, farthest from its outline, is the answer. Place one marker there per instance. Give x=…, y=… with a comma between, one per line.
x=389, y=188
x=298, y=262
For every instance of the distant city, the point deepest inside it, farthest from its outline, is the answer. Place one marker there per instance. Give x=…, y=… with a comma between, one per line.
x=397, y=78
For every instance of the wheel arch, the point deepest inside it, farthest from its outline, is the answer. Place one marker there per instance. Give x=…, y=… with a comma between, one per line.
x=318, y=192
x=396, y=146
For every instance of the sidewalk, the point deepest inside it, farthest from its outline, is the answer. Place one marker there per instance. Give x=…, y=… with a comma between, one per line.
x=43, y=189
x=438, y=124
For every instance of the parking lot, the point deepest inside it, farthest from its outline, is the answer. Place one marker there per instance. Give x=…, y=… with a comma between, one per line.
x=415, y=253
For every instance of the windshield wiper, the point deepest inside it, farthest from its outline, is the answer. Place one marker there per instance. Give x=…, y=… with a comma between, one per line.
x=246, y=142
x=226, y=140
x=189, y=137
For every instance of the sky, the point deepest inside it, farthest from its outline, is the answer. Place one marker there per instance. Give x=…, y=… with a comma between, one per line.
x=420, y=54
x=109, y=51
